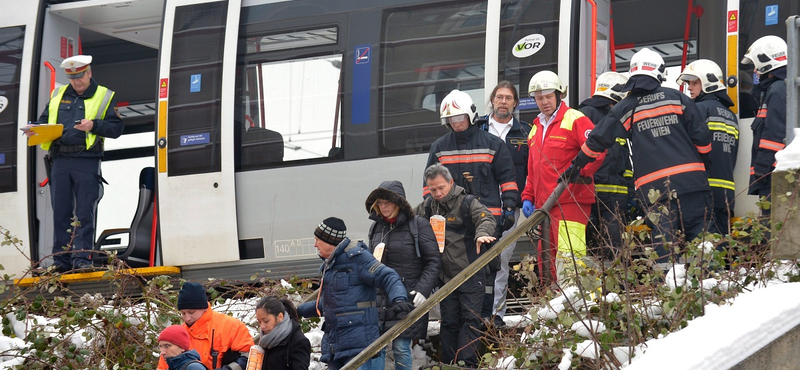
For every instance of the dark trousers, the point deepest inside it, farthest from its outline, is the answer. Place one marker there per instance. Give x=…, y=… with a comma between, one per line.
x=605, y=225
x=691, y=213
x=75, y=190
x=460, y=322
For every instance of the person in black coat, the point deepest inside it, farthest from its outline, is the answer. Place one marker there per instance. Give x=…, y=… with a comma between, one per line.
x=285, y=346
x=405, y=243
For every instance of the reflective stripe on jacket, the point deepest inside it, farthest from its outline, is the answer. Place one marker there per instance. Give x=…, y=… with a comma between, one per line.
x=724, y=129
x=667, y=134
x=97, y=104
x=769, y=130
x=486, y=158
x=548, y=158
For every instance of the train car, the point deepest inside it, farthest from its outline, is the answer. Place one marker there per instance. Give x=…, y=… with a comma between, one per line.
x=249, y=121
x=260, y=118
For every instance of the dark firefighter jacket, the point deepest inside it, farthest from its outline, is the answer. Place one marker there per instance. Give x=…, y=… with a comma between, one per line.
x=517, y=144
x=724, y=129
x=667, y=136
x=486, y=158
x=615, y=174
x=769, y=130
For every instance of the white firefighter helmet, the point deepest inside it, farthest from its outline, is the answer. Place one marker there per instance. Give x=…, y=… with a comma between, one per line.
x=766, y=54
x=609, y=85
x=457, y=103
x=708, y=72
x=546, y=82
x=648, y=63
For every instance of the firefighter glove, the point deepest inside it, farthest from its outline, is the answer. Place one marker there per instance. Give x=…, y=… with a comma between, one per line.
x=508, y=218
x=571, y=174
x=527, y=208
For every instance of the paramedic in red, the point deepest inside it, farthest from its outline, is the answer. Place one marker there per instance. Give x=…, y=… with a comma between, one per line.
x=556, y=137
x=768, y=56
x=670, y=143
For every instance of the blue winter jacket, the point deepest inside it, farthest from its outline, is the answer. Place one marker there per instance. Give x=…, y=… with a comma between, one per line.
x=177, y=362
x=350, y=278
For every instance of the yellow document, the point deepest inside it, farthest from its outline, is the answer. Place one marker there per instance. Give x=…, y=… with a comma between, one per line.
x=44, y=133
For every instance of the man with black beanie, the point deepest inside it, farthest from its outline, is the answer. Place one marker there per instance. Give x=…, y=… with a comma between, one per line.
x=222, y=341
x=347, y=293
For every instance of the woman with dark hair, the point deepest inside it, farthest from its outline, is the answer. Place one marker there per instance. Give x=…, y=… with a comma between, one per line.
x=407, y=244
x=285, y=346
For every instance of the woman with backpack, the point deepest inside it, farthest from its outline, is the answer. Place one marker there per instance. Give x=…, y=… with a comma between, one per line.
x=407, y=244
x=175, y=347
x=285, y=346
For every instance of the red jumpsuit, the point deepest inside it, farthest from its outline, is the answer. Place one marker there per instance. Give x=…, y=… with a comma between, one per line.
x=550, y=153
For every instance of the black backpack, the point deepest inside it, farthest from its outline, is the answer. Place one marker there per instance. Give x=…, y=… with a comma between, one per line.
x=413, y=228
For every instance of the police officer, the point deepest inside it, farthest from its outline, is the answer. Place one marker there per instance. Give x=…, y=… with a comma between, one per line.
x=89, y=114
x=704, y=80
x=485, y=157
x=768, y=56
x=502, y=123
x=670, y=145
x=613, y=179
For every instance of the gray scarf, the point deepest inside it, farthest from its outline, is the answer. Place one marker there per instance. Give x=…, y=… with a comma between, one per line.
x=280, y=332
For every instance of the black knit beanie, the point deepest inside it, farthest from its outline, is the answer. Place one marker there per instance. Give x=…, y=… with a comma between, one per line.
x=192, y=296
x=331, y=231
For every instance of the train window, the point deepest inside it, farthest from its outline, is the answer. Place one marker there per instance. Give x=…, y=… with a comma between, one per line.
x=11, y=45
x=291, y=111
x=292, y=40
x=427, y=52
x=195, y=93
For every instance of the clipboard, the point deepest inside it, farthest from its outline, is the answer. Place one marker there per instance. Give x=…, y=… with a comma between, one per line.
x=44, y=133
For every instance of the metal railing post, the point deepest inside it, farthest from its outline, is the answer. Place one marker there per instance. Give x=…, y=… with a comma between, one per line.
x=792, y=76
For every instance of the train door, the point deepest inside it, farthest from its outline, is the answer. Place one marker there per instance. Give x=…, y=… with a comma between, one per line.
x=196, y=194
x=18, y=22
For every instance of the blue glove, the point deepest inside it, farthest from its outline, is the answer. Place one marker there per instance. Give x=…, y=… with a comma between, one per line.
x=527, y=208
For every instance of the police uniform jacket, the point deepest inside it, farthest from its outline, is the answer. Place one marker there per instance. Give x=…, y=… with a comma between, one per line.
x=517, y=144
x=350, y=278
x=551, y=153
x=70, y=109
x=667, y=135
x=614, y=177
x=724, y=129
x=486, y=158
x=769, y=130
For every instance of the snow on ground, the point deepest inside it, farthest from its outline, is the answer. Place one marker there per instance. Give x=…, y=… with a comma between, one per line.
x=725, y=336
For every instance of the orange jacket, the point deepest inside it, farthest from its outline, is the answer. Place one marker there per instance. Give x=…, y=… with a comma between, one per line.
x=229, y=334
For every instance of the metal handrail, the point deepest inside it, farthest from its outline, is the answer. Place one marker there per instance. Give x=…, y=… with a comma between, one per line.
x=536, y=218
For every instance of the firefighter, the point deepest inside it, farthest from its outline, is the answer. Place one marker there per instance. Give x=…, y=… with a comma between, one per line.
x=670, y=145
x=704, y=80
x=768, y=56
x=613, y=180
x=485, y=157
x=556, y=137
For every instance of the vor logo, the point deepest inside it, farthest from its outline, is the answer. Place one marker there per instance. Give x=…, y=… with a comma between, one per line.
x=528, y=45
